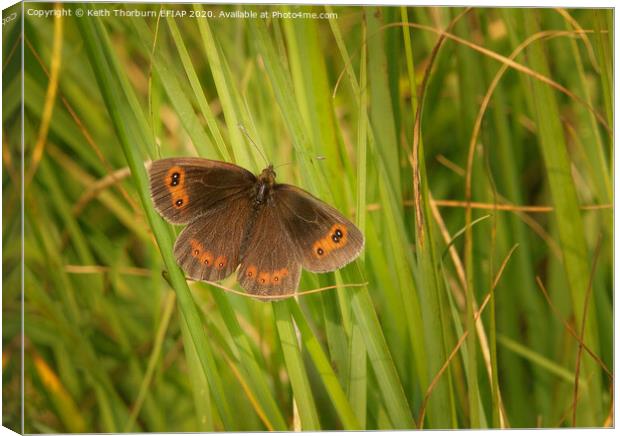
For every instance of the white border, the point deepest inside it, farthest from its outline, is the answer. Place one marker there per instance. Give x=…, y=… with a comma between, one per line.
x=481, y=3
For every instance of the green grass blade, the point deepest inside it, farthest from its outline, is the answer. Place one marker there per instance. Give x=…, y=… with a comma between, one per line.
x=247, y=360
x=294, y=363
x=381, y=110
x=329, y=378
x=180, y=101
x=379, y=356
x=358, y=381
x=199, y=380
x=358, y=378
x=539, y=360
x=197, y=88
x=225, y=95
x=604, y=35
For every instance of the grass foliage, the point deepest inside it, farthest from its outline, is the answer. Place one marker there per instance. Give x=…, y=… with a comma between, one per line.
x=473, y=147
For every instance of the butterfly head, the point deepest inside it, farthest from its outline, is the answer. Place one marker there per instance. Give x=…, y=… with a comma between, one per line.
x=267, y=176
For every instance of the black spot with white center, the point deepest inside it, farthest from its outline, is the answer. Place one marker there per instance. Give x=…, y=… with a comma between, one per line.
x=320, y=251
x=179, y=202
x=336, y=236
x=175, y=179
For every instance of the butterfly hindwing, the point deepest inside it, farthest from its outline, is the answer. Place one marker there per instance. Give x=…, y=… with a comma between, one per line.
x=183, y=189
x=270, y=264
x=325, y=240
x=209, y=247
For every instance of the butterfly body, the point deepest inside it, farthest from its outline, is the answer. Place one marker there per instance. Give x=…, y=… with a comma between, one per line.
x=266, y=181
x=238, y=221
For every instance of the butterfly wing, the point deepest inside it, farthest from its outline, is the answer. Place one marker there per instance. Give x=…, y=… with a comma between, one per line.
x=270, y=263
x=325, y=240
x=209, y=247
x=183, y=189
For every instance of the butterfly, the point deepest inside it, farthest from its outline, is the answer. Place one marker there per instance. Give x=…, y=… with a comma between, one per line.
x=237, y=221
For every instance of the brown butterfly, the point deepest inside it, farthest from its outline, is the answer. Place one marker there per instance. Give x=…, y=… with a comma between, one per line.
x=236, y=219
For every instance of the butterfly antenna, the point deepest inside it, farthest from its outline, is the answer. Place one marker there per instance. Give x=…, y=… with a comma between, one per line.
x=247, y=135
x=318, y=157
x=281, y=165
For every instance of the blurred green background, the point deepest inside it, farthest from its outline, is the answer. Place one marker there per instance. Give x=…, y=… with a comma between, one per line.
x=473, y=147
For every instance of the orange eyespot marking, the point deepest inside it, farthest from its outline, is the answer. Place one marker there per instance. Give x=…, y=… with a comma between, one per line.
x=220, y=262
x=333, y=240
x=251, y=272
x=196, y=247
x=207, y=258
x=180, y=201
x=337, y=235
x=175, y=178
x=277, y=275
x=175, y=182
x=317, y=249
x=264, y=278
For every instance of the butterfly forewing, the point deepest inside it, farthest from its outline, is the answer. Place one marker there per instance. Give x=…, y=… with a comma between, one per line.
x=183, y=189
x=209, y=247
x=269, y=264
x=325, y=239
